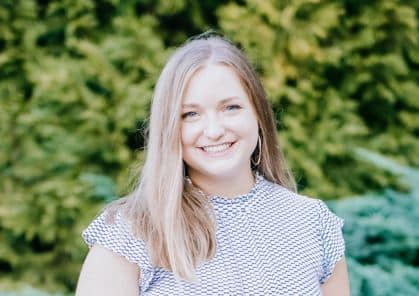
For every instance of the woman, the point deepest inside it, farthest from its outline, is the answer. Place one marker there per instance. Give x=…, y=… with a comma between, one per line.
x=216, y=210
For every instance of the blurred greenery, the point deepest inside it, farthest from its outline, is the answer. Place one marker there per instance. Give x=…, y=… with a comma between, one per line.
x=76, y=78
x=381, y=234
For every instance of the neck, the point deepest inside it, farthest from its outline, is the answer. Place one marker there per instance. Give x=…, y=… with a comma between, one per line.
x=228, y=187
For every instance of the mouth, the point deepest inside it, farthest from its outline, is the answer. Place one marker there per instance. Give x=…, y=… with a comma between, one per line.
x=218, y=150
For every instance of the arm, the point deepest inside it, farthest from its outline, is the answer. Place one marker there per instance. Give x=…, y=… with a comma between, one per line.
x=105, y=273
x=338, y=283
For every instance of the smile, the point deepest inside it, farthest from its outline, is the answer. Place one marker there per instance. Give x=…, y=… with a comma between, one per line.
x=217, y=150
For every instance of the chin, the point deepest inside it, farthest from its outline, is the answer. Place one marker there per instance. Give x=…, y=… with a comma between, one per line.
x=226, y=173
x=227, y=168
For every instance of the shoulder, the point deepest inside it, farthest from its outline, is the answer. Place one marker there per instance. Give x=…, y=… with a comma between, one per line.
x=111, y=241
x=301, y=207
x=288, y=198
x=114, y=232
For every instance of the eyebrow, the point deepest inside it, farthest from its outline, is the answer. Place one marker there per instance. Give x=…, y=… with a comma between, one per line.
x=223, y=101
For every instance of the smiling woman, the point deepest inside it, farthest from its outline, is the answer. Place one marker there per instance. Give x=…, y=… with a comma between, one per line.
x=215, y=211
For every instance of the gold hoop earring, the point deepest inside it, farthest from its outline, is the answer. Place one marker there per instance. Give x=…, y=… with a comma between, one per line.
x=259, y=147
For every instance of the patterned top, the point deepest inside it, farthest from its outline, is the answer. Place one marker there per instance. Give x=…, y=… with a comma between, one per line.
x=270, y=241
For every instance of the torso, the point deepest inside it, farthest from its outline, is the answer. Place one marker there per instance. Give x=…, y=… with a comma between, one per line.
x=267, y=244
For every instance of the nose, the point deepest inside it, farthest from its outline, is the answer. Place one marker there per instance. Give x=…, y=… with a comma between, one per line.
x=214, y=128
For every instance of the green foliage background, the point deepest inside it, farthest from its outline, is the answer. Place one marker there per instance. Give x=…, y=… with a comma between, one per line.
x=76, y=78
x=381, y=235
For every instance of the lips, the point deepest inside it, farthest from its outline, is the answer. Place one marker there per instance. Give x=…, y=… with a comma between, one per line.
x=217, y=150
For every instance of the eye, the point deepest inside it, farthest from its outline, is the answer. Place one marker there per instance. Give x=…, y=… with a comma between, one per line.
x=189, y=114
x=233, y=107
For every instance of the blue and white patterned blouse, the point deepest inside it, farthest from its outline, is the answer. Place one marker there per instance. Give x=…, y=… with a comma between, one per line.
x=270, y=241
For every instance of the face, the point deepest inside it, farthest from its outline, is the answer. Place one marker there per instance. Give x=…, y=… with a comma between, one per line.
x=219, y=125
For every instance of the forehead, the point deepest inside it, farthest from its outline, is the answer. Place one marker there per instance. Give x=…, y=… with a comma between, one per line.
x=214, y=83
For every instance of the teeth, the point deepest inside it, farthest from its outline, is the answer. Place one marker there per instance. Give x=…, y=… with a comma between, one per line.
x=219, y=148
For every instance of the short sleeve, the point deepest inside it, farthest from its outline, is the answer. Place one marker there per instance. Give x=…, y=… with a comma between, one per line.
x=118, y=238
x=332, y=241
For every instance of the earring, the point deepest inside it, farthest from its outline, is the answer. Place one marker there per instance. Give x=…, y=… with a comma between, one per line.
x=184, y=169
x=259, y=152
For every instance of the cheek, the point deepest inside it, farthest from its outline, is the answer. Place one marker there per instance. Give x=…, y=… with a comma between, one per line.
x=246, y=125
x=189, y=134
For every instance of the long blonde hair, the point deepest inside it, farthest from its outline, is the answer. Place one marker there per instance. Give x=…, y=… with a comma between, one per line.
x=173, y=218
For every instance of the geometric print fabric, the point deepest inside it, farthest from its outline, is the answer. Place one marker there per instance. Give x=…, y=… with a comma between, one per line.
x=270, y=241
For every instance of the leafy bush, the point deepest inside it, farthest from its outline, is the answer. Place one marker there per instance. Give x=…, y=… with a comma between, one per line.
x=70, y=96
x=382, y=237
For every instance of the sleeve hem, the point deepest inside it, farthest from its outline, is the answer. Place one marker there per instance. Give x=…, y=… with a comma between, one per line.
x=332, y=269
x=146, y=274
x=333, y=243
